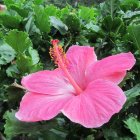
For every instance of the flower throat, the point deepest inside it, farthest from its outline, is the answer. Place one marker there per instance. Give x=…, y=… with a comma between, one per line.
x=59, y=57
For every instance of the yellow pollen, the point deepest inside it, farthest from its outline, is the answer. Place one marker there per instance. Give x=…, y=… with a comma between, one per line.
x=54, y=55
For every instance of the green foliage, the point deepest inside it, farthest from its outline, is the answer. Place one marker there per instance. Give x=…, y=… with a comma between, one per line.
x=18, y=40
x=129, y=4
x=73, y=22
x=7, y=54
x=25, y=65
x=87, y=14
x=59, y=25
x=109, y=7
x=114, y=25
x=8, y=3
x=26, y=29
x=134, y=125
x=14, y=127
x=34, y=55
x=12, y=71
x=42, y=19
x=13, y=18
x=131, y=14
x=134, y=32
x=132, y=95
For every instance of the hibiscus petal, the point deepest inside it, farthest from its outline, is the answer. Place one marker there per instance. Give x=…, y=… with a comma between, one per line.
x=112, y=68
x=79, y=58
x=47, y=82
x=36, y=107
x=96, y=105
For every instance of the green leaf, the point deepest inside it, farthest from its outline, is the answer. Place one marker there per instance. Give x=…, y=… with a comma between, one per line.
x=22, y=7
x=64, y=12
x=51, y=10
x=38, y=2
x=34, y=55
x=12, y=71
x=19, y=3
x=25, y=64
x=92, y=27
x=109, y=7
x=131, y=14
x=134, y=33
x=73, y=22
x=15, y=127
x=134, y=125
x=11, y=19
x=31, y=27
x=129, y=4
x=29, y=24
x=36, y=68
x=23, y=12
x=42, y=19
x=82, y=40
x=59, y=25
x=112, y=134
x=18, y=40
x=132, y=95
x=7, y=54
x=90, y=137
x=55, y=134
x=87, y=14
x=112, y=25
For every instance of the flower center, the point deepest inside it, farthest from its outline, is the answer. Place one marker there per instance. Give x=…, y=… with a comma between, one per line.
x=59, y=57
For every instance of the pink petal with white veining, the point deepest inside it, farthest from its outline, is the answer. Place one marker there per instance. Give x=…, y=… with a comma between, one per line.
x=96, y=105
x=111, y=68
x=48, y=82
x=37, y=107
x=79, y=58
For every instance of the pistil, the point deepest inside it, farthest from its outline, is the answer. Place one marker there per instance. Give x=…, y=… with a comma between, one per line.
x=59, y=59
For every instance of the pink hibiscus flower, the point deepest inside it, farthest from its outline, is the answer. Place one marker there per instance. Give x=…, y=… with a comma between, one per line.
x=2, y=8
x=83, y=88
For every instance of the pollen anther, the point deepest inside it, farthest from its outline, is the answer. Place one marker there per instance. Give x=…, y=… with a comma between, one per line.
x=55, y=50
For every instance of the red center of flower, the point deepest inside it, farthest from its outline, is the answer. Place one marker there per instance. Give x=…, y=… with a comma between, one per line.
x=59, y=57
